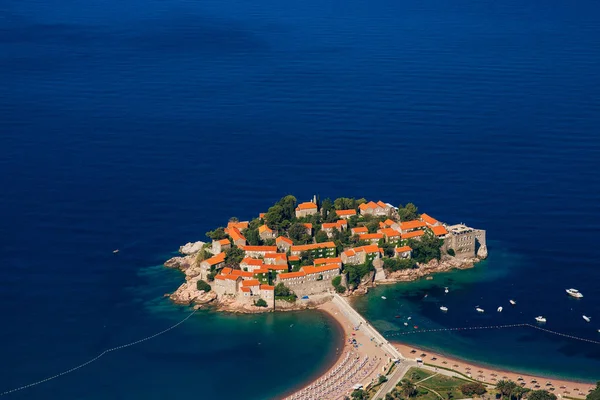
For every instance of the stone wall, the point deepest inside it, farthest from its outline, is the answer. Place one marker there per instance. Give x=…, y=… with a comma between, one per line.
x=463, y=244
x=307, y=288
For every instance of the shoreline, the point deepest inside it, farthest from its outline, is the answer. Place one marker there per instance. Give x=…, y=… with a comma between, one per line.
x=335, y=359
x=489, y=373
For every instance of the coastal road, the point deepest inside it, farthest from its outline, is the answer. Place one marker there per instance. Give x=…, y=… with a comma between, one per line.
x=394, y=378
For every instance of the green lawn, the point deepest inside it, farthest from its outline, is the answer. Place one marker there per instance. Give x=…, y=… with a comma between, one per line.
x=442, y=384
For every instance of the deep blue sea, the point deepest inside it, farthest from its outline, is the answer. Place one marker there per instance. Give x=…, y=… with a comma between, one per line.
x=140, y=125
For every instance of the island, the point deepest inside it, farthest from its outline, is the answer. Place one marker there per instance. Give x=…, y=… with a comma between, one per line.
x=297, y=255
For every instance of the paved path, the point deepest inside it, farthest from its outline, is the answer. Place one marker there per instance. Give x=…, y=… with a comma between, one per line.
x=393, y=379
x=358, y=320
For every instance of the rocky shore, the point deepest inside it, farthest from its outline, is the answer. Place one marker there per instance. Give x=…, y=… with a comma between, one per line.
x=188, y=294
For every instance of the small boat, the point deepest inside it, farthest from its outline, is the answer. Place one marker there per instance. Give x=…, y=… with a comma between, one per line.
x=540, y=319
x=115, y=251
x=446, y=290
x=383, y=297
x=397, y=316
x=512, y=302
x=425, y=296
x=574, y=293
x=587, y=319
x=479, y=309
x=406, y=324
x=409, y=318
x=499, y=309
x=444, y=309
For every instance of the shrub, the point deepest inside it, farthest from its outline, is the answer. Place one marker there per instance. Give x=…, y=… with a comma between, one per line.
x=261, y=303
x=201, y=285
x=451, y=252
x=470, y=389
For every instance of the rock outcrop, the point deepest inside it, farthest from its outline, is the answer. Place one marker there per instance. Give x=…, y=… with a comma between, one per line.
x=188, y=293
x=434, y=266
x=482, y=252
x=191, y=248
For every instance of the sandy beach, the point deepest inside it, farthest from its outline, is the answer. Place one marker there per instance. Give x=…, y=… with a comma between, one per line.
x=356, y=364
x=490, y=376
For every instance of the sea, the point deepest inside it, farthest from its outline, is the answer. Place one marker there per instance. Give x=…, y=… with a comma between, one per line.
x=140, y=125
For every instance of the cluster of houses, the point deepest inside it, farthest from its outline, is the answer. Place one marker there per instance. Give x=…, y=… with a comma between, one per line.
x=263, y=267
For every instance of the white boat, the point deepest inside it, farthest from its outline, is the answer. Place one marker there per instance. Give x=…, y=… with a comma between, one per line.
x=587, y=319
x=479, y=309
x=444, y=309
x=540, y=319
x=409, y=318
x=574, y=293
x=446, y=290
x=383, y=297
x=115, y=251
x=512, y=302
x=406, y=324
x=499, y=309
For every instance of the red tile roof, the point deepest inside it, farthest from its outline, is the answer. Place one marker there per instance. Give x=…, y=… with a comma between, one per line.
x=359, y=229
x=369, y=236
x=267, y=287
x=277, y=256
x=220, y=277
x=314, y=246
x=389, y=222
x=382, y=204
x=261, y=215
x=226, y=271
x=344, y=213
x=246, y=289
x=290, y=275
x=428, y=220
x=306, y=206
x=250, y=282
x=238, y=225
x=239, y=272
x=269, y=249
x=224, y=242
x=293, y=258
x=284, y=240
x=219, y=258
x=320, y=261
x=252, y=261
x=308, y=225
x=412, y=234
x=318, y=270
x=439, y=230
x=264, y=228
x=389, y=232
x=372, y=248
x=277, y=267
x=261, y=270
x=235, y=234
x=402, y=249
x=412, y=224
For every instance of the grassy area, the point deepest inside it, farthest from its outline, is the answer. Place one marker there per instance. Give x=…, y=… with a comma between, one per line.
x=447, y=387
x=464, y=377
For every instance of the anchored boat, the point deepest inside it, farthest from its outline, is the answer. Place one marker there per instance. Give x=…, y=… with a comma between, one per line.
x=499, y=309
x=540, y=319
x=574, y=293
x=479, y=309
x=587, y=319
x=444, y=309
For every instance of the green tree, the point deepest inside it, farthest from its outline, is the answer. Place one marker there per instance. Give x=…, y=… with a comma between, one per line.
x=261, y=303
x=359, y=394
x=472, y=388
x=288, y=207
x=594, y=394
x=540, y=395
x=506, y=388
x=337, y=284
x=234, y=256
x=407, y=388
x=326, y=206
x=426, y=249
x=397, y=264
x=331, y=217
x=282, y=291
x=253, y=237
x=217, y=234
x=381, y=379
x=275, y=217
x=407, y=213
x=201, y=285
x=307, y=258
x=451, y=252
x=297, y=232
x=344, y=203
x=520, y=391
x=321, y=237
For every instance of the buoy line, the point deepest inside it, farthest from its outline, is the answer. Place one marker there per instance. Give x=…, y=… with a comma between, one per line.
x=98, y=357
x=470, y=328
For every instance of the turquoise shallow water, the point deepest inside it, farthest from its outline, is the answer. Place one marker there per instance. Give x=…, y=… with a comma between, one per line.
x=489, y=285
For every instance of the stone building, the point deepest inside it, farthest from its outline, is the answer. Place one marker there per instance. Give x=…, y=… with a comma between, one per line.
x=403, y=252
x=373, y=238
x=430, y=221
x=391, y=235
x=310, y=280
x=318, y=250
x=275, y=259
x=215, y=262
x=461, y=239
x=266, y=233
x=324, y=261
x=330, y=227
x=376, y=209
x=237, y=237
x=345, y=214
x=306, y=209
x=360, y=255
x=412, y=235
x=439, y=230
x=309, y=228
x=258, y=251
x=359, y=230
x=219, y=246
x=226, y=285
x=413, y=225
x=283, y=243
x=251, y=264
